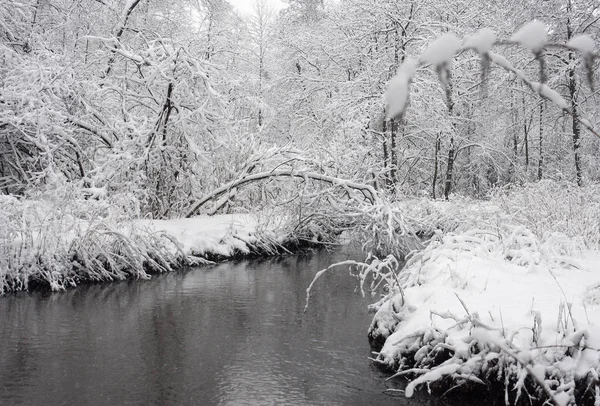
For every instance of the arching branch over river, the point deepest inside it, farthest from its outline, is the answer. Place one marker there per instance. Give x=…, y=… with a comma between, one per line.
x=367, y=191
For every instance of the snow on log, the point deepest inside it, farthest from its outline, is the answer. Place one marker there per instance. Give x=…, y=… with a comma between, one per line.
x=550, y=94
x=583, y=44
x=482, y=41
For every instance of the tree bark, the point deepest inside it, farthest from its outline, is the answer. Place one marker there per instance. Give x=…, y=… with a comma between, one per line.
x=450, y=169
x=438, y=143
x=541, y=150
x=572, y=85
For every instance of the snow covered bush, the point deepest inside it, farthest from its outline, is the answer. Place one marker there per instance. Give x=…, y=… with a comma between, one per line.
x=504, y=295
x=386, y=228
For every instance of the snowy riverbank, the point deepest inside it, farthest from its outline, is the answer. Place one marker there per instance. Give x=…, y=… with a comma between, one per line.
x=478, y=307
x=45, y=245
x=225, y=235
x=492, y=304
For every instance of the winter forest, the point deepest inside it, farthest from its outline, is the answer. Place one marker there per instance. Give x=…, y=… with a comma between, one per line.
x=455, y=143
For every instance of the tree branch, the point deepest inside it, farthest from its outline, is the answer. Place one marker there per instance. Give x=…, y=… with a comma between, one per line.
x=368, y=191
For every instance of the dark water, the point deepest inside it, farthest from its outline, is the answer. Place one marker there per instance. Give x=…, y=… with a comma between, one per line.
x=232, y=334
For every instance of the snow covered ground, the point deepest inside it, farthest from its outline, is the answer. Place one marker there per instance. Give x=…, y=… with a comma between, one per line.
x=224, y=235
x=500, y=304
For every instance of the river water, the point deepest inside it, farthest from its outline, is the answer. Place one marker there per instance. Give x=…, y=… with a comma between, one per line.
x=232, y=334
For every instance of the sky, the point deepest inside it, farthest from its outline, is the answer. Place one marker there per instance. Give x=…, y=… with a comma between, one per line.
x=246, y=6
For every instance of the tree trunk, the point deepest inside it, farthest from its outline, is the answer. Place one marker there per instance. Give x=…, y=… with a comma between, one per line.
x=167, y=109
x=386, y=155
x=576, y=129
x=120, y=32
x=514, y=139
x=393, y=157
x=438, y=143
x=526, y=129
x=572, y=85
x=452, y=151
x=450, y=169
x=541, y=151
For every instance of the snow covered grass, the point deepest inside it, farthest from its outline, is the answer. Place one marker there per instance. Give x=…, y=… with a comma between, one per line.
x=44, y=244
x=546, y=208
x=62, y=243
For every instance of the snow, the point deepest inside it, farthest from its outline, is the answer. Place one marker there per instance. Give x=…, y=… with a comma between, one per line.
x=517, y=290
x=247, y=7
x=437, y=374
x=482, y=41
x=397, y=94
x=550, y=94
x=542, y=89
x=532, y=36
x=95, y=192
x=501, y=61
x=57, y=246
x=583, y=44
x=585, y=122
x=511, y=286
x=216, y=235
x=442, y=50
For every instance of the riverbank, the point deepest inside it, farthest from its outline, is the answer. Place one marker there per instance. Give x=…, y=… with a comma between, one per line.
x=506, y=297
x=50, y=246
x=477, y=308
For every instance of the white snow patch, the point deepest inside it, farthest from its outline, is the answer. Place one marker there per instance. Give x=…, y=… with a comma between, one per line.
x=482, y=41
x=220, y=234
x=434, y=375
x=396, y=96
x=532, y=35
x=442, y=50
x=585, y=122
x=95, y=192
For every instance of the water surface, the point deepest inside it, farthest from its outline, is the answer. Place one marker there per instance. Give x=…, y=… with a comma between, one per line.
x=233, y=334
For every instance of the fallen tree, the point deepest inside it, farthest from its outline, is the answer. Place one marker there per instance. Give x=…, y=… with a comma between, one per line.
x=367, y=191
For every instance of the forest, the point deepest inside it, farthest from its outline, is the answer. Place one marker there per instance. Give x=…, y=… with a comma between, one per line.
x=153, y=106
x=453, y=135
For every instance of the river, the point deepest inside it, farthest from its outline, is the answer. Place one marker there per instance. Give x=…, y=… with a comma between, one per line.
x=232, y=334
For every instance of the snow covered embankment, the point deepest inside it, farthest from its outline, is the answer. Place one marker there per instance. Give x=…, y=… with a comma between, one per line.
x=50, y=246
x=218, y=236
x=483, y=307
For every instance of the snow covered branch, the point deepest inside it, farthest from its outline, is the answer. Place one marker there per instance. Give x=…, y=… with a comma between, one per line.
x=441, y=52
x=367, y=191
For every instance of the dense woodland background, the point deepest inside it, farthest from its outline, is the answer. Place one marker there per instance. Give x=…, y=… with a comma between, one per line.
x=151, y=105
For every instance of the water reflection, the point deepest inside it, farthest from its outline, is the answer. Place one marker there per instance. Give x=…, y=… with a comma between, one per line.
x=228, y=335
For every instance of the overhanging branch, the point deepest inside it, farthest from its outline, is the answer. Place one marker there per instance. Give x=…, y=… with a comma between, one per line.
x=367, y=191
